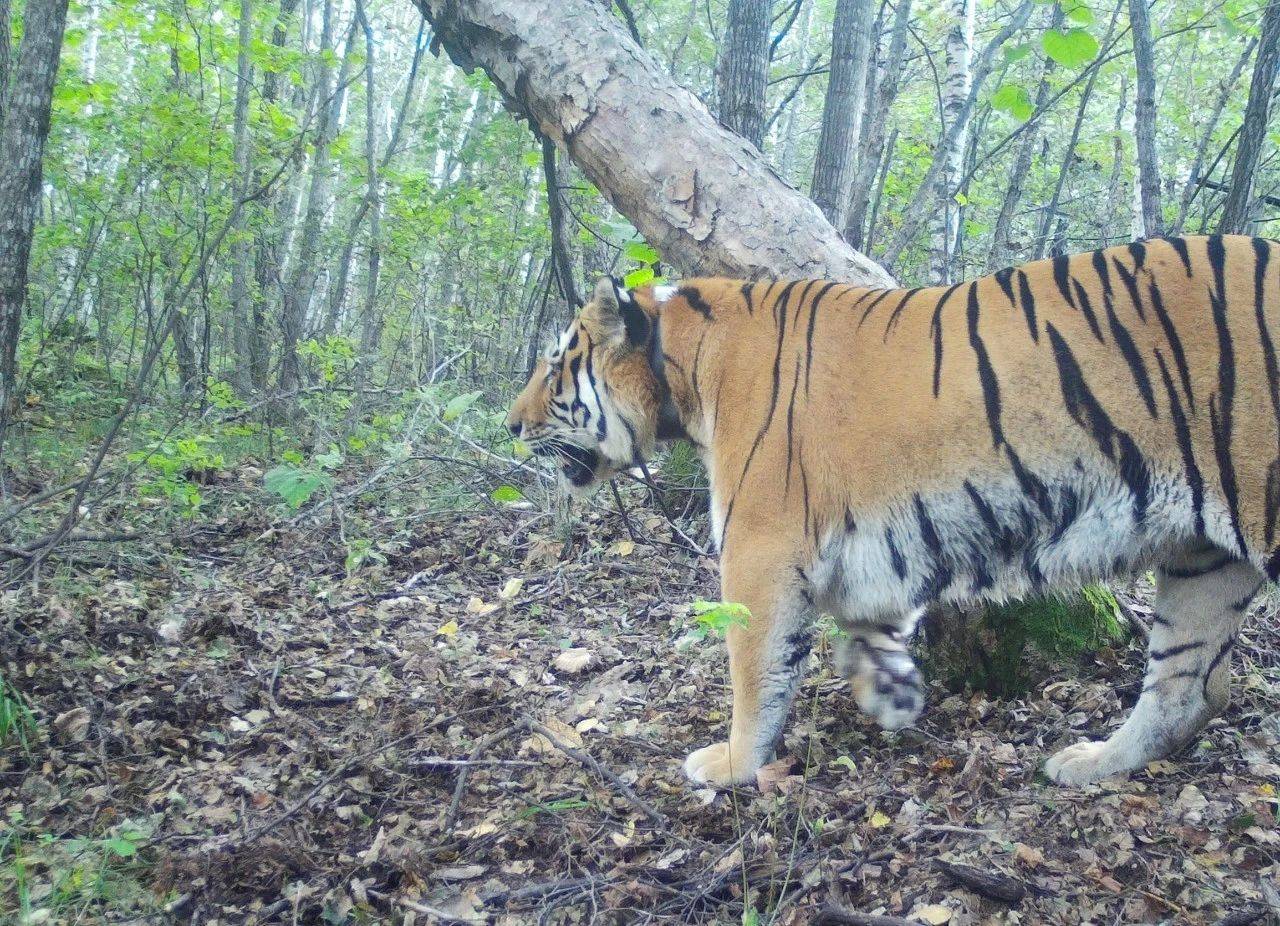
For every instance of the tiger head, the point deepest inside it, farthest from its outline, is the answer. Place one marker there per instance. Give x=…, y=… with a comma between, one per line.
x=592, y=404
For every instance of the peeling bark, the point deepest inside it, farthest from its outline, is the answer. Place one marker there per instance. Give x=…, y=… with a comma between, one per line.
x=700, y=194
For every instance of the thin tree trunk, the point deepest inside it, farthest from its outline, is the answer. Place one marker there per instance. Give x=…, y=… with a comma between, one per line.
x=6, y=31
x=570, y=67
x=744, y=67
x=1253, y=131
x=242, y=246
x=834, y=168
x=955, y=94
x=1068, y=157
x=371, y=318
x=787, y=150
x=305, y=273
x=1116, y=183
x=931, y=188
x=22, y=141
x=1001, y=247
x=1145, y=120
x=873, y=136
x=1197, y=164
x=561, y=246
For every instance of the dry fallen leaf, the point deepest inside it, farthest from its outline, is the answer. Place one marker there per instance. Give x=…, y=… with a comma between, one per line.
x=935, y=914
x=573, y=661
x=769, y=776
x=448, y=629
x=512, y=588
x=480, y=606
x=880, y=819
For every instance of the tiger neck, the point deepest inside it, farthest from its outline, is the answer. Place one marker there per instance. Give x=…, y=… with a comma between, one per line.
x=670, y=425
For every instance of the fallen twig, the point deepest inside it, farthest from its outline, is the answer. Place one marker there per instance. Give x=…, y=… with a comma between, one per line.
x=485, y=742
x=657, y=819
x=988, y=884
x=839, y=916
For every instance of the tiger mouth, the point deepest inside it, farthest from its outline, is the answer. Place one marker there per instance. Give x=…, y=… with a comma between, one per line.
x=577, y=463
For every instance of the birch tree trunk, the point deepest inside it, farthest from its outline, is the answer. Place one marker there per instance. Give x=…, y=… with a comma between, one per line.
x=873, y=145
x=570, y=67
x=932, y=186
x=1001, y=247
x=1145, y=120
x=1197, y=164
x=302, y=282
x=1253, y=131
x=22, y=141
x=241, y=245
x=786, y=156
x=833, y=167
x=743, y=68
x=945, y=225
x=6, y=32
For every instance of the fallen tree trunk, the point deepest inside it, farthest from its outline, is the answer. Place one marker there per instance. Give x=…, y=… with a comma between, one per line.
x=703, y=196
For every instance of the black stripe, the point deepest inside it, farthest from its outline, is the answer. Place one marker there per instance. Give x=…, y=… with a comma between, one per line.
x=941, y=575
x=1131, y=354
x=1130, y=282
x=1222, y=410
x=1155, y=655
x=791, y=418
x=849, y=524
x=1243, y=603
x=895, y=555
x=1028, y=300
x=1262, y=255
x=808, y=335
x=804, y=486
x=1087, y=308
x=1002, y=277
x=1204, y=569
x=696, y=302
x=1175, y=344
x=936, y=327
x=1222, y=653
x=1062, y=276
x=986, y=373
x=1195, y=481
x=1085, y=409
x=875, y=302
x=893, y=316
x=1180, y=245
x=1030, y=483
x=795, y=318
x=747, y=297
x=1138, y=251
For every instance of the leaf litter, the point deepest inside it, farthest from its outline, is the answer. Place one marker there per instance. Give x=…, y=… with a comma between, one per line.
x=487, y=724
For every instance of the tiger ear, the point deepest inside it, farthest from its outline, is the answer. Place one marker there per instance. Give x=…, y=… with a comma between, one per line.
x=617, y=310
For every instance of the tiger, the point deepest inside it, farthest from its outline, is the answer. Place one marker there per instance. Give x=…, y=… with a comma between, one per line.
x=873, y=452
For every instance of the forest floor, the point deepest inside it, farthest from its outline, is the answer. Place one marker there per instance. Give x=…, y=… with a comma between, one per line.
x=488, y=725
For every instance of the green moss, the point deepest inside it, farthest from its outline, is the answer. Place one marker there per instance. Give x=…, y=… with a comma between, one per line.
x=1005, y=649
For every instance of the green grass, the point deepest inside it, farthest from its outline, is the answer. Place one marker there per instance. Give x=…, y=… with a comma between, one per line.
x=17, y=723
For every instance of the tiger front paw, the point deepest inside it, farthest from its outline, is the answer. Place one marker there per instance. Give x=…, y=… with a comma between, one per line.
x=717, y=766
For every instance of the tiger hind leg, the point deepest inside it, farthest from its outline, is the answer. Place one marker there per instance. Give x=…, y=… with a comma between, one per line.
x=1202, y=594
x=881, y=673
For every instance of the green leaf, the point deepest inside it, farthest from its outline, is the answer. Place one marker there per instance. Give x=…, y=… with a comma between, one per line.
x=1013, y=100
x=719, y=616
x=532, y=158
x=639, y=277
x=295, y=485
x=120, y=846
x=1071, y=49
x=459, y=404
x=640, y=253
x=506, y=494
x=1078, y=12
x=1014, y=53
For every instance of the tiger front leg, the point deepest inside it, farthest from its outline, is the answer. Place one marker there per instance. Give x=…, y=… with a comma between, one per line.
x=766, y=658
x=881, y=673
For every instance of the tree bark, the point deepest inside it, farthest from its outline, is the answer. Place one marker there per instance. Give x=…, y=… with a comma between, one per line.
x=571, y=68
x=932, y=186
x=1197, y=164
x=873, y=145
x=302, y=282
x=6, y=31
x=833, y=167
x=955, y=94
x=744, y=67
x=1068, y=157
x=561, y=246
x=1145, y=120
x=241, y=245
x=1253, y=131
x=1001, y=247
x=22, y=141
x=371, y=318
